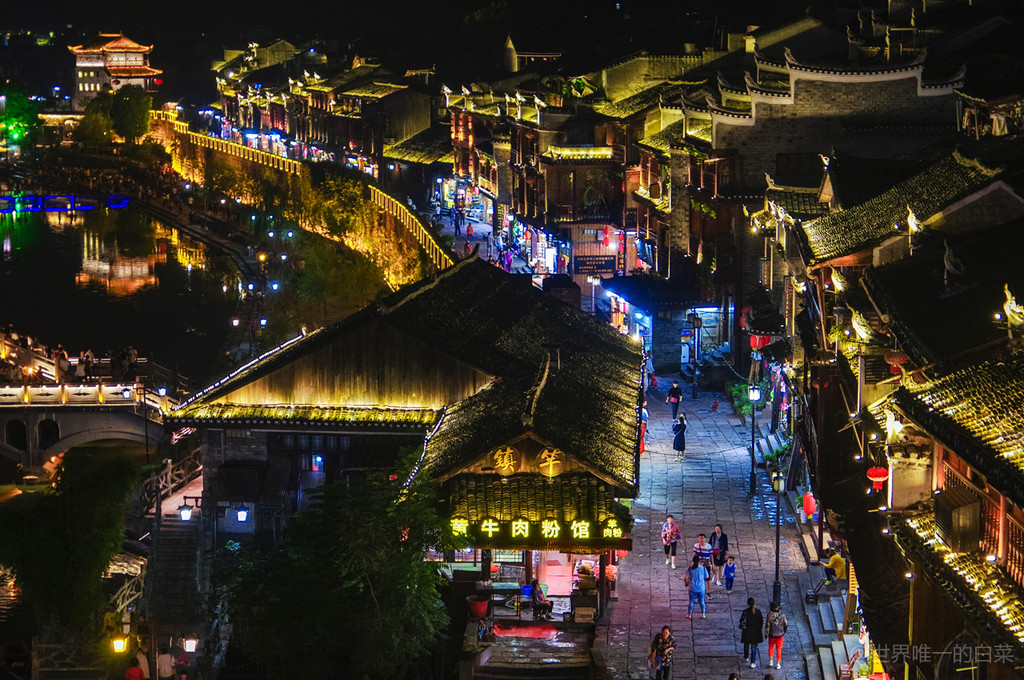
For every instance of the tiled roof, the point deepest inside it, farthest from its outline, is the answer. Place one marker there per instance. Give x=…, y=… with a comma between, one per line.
x=984, y=591
x=800, y=202
x=373, y=90
x=110, y=42
x=661, y=142
x=586, y=404
x=132, y=71
x=868, y=224
x=986, y=399
x=566, y=498
x=624, y=108
x=855, y=180
x=428, y=146
x=957, y=279
x=370, y=416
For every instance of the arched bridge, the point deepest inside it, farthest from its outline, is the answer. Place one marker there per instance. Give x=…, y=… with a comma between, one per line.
x=37, y=422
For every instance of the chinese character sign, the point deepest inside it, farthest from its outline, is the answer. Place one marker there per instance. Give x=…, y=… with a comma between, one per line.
x=460, y=526
x=551, y=462
x=506, y=460
x=520, y=528
x=580, y=529
x=489, y=527
x=549, y=528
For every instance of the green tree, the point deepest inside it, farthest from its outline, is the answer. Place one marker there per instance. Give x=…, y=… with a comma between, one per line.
x=348, y=586
x=19, y=116
x=60, y=542
x=94, y=128
x=220, y=175
x=130, y=112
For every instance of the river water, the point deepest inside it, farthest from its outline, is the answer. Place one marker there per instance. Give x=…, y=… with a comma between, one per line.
x=110, y=278
x=103, y=280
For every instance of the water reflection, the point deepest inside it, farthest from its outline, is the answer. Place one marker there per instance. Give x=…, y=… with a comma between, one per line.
x=108, y=278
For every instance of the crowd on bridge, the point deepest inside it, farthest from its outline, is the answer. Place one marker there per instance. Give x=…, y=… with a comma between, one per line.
x=123, y=363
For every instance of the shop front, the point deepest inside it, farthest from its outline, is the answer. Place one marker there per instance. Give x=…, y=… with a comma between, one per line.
x=562, y=527
x=460, y=194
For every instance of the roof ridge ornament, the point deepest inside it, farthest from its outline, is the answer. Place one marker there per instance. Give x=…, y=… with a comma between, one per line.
x=1014, y=320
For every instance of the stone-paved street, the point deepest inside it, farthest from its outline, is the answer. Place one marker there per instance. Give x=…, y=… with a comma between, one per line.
x=710, y=487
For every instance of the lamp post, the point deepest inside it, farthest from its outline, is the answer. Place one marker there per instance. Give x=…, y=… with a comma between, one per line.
x=754, y=394
x=778, y=483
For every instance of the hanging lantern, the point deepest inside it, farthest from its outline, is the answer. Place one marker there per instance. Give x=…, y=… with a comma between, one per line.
x=895, y=357
x=622, y=247
x=754, y=342
x=607, y=232
x=158, y=81
x=621, y=553
x=810, y=505
x=607, y=241
x=763, y=341
x=878, y=476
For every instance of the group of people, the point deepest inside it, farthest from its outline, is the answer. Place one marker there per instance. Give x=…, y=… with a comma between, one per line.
x=711, y=564
x=752, y=621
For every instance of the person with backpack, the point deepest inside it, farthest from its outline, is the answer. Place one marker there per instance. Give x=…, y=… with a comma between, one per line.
x=751, y=623
x=696, y=579
x=775, y=629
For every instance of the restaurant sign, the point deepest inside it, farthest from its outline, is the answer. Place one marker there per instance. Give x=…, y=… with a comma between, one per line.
x=507, y=460
x=548, y=529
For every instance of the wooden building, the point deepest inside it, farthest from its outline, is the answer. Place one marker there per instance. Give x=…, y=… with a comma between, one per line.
x=109, y=62
x=524, y=408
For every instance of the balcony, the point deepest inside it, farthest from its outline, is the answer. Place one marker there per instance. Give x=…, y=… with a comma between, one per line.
x=594, y=212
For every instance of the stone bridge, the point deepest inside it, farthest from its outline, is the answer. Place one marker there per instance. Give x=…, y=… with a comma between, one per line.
x=38, y=422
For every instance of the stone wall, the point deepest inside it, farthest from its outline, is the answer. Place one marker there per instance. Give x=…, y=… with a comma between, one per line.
x=820, y=117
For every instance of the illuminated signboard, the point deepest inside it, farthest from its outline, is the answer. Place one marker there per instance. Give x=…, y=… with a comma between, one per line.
x=27, y=204
x=549, y=529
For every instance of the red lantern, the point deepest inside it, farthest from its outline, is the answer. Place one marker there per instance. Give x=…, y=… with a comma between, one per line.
x=158, y=81
x=607, y=241
x=764, y=341
x=810, y=505
x=878, y=476
x=753, y=342
x=621, y=553
x=607, y=232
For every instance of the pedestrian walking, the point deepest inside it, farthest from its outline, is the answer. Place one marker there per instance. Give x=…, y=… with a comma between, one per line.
x=644, y=417
x=679, y=440
x=775, y=629
x=165, y=664
x=80, y=368
x=90, y=359
x=751, y=622
x=490, y=243
x=696, y=581
x=702, y=550
x=730, y=574
x=469, y=232
x=670, y=536
x=673, y=397
x=719, y=552
x=660, y=660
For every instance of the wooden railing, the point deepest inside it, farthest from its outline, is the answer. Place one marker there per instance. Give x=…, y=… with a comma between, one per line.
x=129, y=592
x=167, y=480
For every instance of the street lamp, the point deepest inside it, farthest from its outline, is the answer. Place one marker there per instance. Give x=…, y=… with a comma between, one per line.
x=185, y=512
x=778, y=485
x=190, y=643
x=119, y=643
x=754, y=395
x=242, y=513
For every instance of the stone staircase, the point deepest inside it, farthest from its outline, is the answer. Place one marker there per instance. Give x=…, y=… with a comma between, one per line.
x=171, y=574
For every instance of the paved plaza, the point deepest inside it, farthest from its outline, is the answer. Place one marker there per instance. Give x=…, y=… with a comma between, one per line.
x=710, y=487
